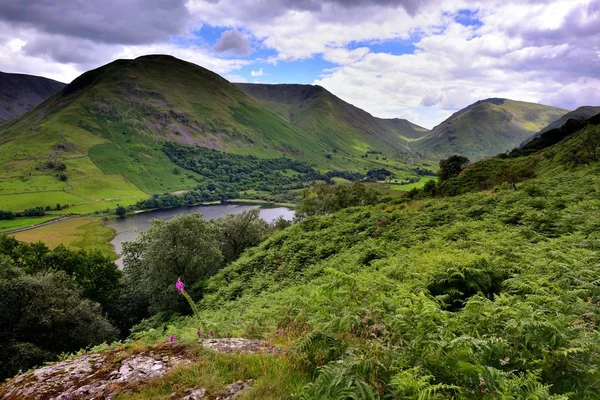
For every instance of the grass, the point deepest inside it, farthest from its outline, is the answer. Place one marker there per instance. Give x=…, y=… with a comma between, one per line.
x=15, y=202
x=9, y=225
x=416, y=185
x=145, y=165
x=78, y=233
x=23, y=184
x=273, y=377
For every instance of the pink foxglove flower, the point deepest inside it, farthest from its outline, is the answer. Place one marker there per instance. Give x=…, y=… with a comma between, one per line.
x=199, y=333
x=179, y=285
x=172, y=338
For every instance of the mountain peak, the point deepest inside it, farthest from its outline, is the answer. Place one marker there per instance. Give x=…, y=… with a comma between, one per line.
x=166, y=57
x=488, y=127
x=497, y=101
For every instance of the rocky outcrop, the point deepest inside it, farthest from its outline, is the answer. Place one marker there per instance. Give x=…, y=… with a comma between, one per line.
x=103, y=375
x=93, y=376
x=240, y=346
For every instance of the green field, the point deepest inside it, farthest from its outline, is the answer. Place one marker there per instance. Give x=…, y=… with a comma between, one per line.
x=9, y=225
x=26, y=184
x=416, y=185
x=77, y=233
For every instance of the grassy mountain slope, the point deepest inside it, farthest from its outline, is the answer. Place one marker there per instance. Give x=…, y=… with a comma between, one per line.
x=574, y=144
x=20, y=93
x=109, y=124
x=488, y=127
x=580, y=113
x=489, y=294
x=341, y=125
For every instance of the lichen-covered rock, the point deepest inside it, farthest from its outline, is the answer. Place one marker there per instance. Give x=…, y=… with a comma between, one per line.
x=103, y=375
x=93, y=376
x=196, y=394
x=236, y=389
x=240, y=346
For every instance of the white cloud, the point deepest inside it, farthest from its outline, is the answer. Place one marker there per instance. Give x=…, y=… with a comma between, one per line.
x=258, y=72
x=343, y=56
x=235, y=78
x=535, y=50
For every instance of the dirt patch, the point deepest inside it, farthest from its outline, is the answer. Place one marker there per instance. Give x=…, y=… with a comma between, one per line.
x=94, y=376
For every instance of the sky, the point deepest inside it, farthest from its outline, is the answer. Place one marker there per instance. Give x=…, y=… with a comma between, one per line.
x=416, y=59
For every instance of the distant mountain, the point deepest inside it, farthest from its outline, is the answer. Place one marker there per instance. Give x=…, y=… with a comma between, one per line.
x=488, y=127
x=19, y=93
x=581, y=113
x=341, y=125
x=106, y=132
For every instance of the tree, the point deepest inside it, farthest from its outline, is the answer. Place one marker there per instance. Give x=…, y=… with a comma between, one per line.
x=121, y=211
x=323, y=199
x=430, y=188
x=186, y=247
x=240, y=231
x=452, y=167
x=42, y=316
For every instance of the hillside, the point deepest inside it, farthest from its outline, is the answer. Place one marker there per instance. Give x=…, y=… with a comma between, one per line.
x=20, y=93
x=488, y=294
x=341, y=125
x=100, y=140
x=488, y=127
x=574, y=144
x=580, y=113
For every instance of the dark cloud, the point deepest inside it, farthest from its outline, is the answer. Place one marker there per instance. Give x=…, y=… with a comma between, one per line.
x=252, y=10
x=233, y=42
x=64, y=49
x=411, y=6
x=106, y=21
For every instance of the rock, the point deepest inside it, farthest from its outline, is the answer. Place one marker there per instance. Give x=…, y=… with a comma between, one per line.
x=92, y=376
x=240, y=346
x=236, y=389
x=196, y=394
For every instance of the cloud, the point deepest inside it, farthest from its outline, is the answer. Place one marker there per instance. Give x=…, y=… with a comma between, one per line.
x=536, y=50
x=106, y=21
x=233, y=42
x=531, y=51
x=259, y=72
x=342, y=56
x=235, y=78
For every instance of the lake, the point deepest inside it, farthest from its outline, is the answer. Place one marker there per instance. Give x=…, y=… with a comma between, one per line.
x=129, y=228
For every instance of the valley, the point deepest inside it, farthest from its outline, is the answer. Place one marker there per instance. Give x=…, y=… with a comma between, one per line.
x=277, y=242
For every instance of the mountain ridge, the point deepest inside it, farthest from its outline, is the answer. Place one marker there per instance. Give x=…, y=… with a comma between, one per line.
x=488, y=127
x=20, y=93
x=316, y=110
x=109, y=125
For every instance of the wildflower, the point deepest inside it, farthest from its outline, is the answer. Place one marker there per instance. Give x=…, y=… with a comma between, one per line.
x=179, y=285
x=211, y=334
x=199, y=333
x=172, y=338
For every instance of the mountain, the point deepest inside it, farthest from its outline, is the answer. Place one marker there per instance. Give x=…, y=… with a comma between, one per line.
x=105, y=132
x=19, y=93
x=574, y=144
x=580, y=113
x=488, y=127
x=340, y=124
